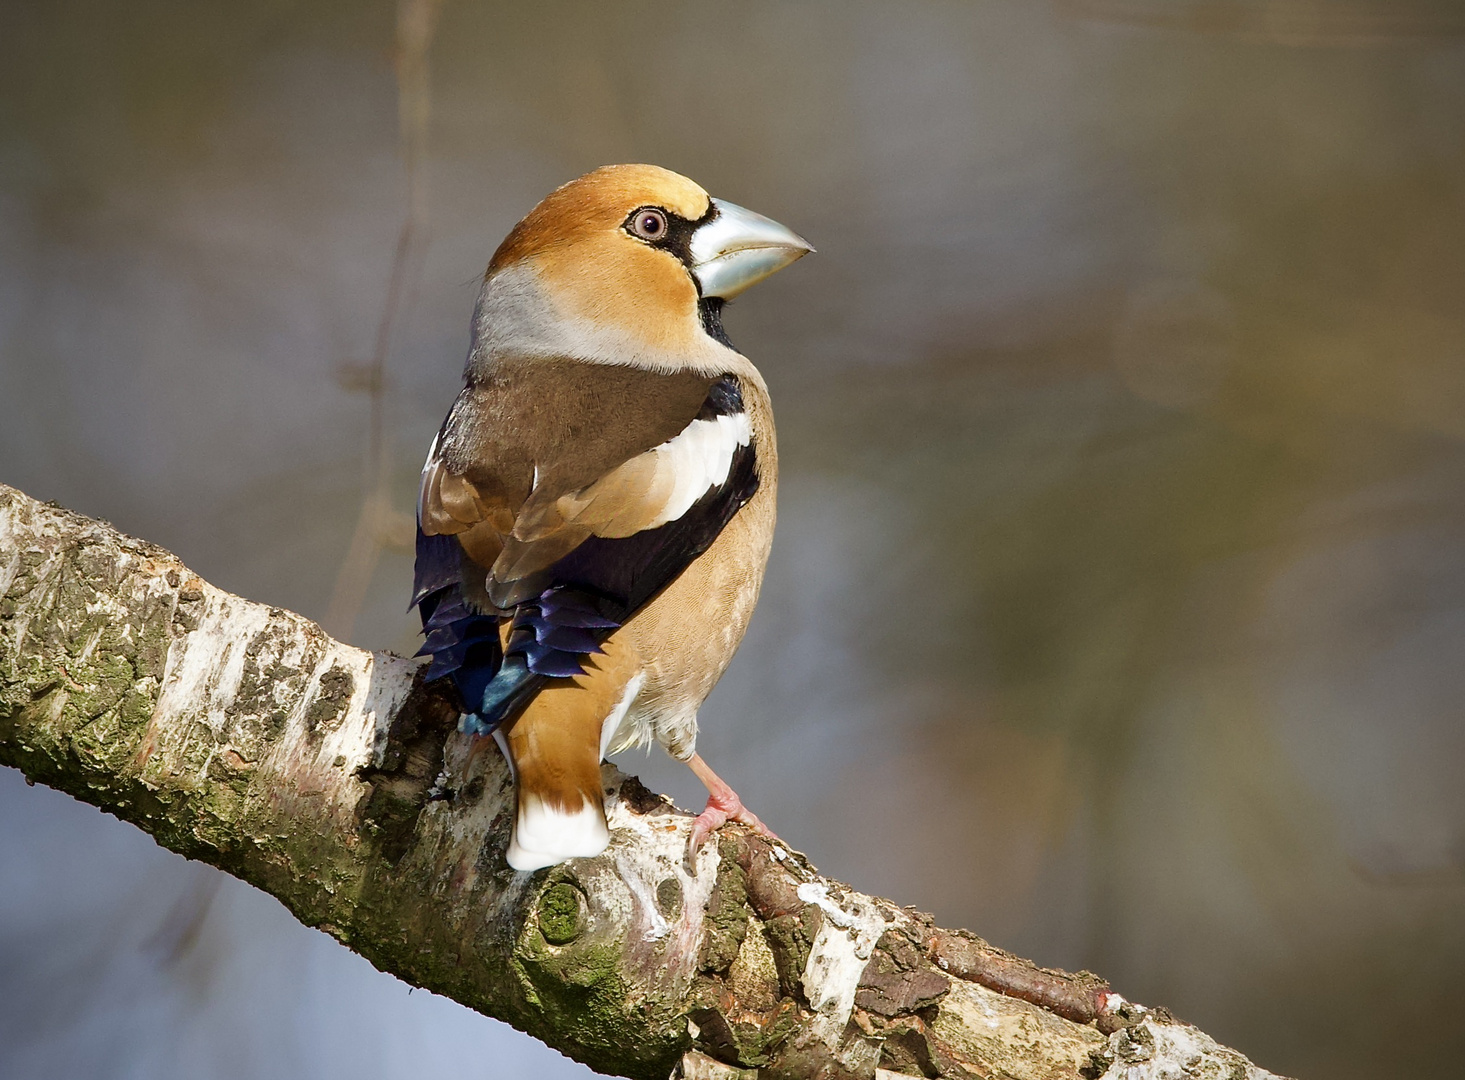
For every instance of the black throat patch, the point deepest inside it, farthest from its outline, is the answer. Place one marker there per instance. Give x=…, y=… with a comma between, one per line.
x=709, y=308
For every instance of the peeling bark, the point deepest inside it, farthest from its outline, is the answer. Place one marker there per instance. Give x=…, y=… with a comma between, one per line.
x=330, y=777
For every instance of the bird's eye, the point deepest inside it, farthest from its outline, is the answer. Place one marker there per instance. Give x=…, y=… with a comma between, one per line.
x=649, y=224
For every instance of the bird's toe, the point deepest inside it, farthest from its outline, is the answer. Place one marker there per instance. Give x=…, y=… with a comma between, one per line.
x=722, y=807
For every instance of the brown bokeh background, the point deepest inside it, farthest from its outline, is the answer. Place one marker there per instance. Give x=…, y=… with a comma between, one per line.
x=1117, y=608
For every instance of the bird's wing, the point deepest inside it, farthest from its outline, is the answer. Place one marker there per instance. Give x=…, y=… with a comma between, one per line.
x=567, y=522
x=627, y=533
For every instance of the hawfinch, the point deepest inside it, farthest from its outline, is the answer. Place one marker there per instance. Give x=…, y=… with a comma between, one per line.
x=596, y=510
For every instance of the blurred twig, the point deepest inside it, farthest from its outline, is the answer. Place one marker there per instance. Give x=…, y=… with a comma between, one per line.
x=1283, y=22
x=180, y=928
x=378, y=524
x=1388, y=865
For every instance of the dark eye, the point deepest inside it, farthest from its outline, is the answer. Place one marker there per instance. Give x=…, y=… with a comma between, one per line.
x=649, y=224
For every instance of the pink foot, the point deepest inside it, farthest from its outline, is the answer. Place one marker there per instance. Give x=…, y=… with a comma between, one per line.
x=724, y=806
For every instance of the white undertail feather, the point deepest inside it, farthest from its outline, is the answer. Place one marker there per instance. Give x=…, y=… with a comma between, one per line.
x=545, y=834
x=610, y=728
x=502, y=741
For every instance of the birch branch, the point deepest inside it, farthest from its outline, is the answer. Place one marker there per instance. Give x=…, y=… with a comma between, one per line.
x=332, y=778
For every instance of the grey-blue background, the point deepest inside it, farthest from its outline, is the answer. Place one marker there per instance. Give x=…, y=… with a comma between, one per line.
x=1117, y=607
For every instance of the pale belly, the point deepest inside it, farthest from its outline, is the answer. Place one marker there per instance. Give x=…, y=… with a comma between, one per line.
x=686, y=637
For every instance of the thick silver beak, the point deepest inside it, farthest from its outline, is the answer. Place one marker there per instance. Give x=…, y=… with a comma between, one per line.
x=739, y=248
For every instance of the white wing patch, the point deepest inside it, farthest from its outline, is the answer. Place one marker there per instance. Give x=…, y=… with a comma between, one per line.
x=699, y=458
x=663, y=483
x=430, y=468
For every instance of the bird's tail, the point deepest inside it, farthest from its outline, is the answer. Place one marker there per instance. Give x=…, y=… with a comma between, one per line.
x=557, y=744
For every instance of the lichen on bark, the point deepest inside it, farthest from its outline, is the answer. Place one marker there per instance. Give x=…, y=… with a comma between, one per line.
x=242, y=735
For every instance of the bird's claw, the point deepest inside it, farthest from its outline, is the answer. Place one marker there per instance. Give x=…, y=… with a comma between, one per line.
x=720, y=810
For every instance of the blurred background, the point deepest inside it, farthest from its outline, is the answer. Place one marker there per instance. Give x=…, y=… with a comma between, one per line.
x=1117, y=607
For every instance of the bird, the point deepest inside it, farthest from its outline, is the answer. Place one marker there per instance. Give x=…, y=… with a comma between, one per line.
x=595, y=513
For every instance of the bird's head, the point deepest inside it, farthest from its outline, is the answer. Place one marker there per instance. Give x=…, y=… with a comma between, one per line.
x=629, y=264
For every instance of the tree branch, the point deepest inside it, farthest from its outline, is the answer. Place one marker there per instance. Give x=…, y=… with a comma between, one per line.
x=330, y=777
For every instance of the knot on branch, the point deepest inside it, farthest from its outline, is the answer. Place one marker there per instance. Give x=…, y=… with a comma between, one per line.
x=561, y=913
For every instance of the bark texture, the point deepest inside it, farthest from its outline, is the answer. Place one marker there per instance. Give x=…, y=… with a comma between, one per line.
x=242, y=735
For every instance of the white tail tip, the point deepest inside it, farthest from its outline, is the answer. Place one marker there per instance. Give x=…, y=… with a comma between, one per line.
x=545, y=834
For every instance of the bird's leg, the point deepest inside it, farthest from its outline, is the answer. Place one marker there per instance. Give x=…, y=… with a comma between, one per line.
x=723, y=805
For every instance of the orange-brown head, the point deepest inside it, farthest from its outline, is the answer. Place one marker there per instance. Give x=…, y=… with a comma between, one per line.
x=629, y=264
